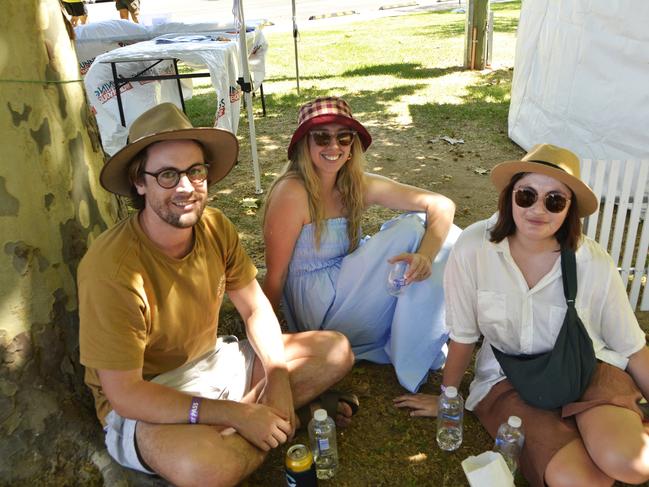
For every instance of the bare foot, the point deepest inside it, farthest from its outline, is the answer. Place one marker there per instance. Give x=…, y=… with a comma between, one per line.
x=344, y=416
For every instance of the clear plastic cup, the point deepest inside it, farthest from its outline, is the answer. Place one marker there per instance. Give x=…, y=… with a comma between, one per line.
x=396, y=278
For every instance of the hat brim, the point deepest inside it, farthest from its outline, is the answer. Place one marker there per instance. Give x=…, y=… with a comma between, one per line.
x=587, y=202
x=352, y=123
x=221, y=151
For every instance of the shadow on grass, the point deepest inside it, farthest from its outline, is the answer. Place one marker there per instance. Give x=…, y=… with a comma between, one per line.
x=398, y=70
x=202, y=106
x=402, y=70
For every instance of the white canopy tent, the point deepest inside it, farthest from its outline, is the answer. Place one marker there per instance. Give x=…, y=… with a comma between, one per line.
x=581, y=76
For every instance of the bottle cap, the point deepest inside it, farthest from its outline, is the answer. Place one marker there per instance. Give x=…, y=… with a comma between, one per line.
x=514, y=421
x=450, y=391
x=320, y=414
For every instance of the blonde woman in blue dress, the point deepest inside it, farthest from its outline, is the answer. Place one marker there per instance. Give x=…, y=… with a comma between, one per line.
x=326, y=276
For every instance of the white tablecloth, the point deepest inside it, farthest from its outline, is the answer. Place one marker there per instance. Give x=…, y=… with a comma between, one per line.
x=218, y=51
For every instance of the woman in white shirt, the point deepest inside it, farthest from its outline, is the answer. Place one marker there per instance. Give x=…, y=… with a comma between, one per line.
x=503, y=282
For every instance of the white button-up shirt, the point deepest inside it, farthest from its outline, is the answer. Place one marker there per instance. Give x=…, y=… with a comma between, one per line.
x=486, y=294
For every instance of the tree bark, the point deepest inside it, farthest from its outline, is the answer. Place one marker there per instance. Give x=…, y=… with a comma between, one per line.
x=51, y=207
x=475, y=45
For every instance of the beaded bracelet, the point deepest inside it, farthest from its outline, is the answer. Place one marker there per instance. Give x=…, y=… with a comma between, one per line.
x=193, y=410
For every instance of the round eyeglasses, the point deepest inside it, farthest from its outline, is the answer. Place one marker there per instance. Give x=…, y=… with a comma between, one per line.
x=553, y=201
x=168, y=178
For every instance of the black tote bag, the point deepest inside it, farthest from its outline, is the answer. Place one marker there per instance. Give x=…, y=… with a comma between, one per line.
x=552, y=379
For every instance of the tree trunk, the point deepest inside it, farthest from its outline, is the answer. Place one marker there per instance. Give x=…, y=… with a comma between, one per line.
x=475, y=45
x=51, y=207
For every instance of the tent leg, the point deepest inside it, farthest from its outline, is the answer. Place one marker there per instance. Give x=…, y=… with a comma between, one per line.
x=263, y=100
x=253, y=143
x=247, y=88
x=297, y=67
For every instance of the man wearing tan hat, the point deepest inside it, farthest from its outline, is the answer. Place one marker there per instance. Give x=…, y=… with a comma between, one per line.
x=173, y=399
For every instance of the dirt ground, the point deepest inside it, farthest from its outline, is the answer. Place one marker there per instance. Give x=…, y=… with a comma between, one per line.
x=384, y=446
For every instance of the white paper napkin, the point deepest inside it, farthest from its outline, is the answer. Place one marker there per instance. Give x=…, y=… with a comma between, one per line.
x=487, y=470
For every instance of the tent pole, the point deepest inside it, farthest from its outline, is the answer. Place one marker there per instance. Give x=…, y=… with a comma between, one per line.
x=295, y=36
x=247, y=87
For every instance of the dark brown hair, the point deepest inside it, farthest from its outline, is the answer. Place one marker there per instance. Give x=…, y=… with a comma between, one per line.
x=568, y=235
x=135, y=174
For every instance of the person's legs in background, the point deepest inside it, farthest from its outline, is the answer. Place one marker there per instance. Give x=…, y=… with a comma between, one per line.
x=134, y=9
x=126, y=7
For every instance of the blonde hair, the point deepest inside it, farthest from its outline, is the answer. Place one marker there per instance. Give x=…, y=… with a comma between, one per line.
x=349, y=181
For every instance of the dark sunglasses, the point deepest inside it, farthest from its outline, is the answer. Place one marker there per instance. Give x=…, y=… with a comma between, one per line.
x=323, y=138
x=554, y=201
x=169, y=178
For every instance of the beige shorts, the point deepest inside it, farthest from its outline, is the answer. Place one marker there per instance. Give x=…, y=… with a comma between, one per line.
x=224, y=373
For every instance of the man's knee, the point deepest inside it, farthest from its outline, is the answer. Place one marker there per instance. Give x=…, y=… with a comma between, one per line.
x=222, y=467
x=326, y=350
x=340, y=352
x=197, y=455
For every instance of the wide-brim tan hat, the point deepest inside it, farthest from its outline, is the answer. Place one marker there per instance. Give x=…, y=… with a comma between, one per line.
x=168, y=122
x=553, y=161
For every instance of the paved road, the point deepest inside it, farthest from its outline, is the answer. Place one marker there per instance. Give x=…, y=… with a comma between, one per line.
x=279, y=12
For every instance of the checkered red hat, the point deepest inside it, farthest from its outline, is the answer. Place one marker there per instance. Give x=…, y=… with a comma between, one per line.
x=330, y=109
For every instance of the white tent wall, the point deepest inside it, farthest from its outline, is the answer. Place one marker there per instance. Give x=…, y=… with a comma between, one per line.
x=581, y=77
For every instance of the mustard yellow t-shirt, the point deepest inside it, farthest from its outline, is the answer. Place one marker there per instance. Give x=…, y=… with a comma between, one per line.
x=140, y=308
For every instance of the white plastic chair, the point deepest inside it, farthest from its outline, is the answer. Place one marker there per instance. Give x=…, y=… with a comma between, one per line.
x=621, y=187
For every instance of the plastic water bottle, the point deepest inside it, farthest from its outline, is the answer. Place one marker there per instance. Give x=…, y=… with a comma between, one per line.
x=322, y=433
x=509, y=442
x=449, y=419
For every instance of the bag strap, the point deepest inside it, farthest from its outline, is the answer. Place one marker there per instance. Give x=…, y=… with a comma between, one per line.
x=569, y=276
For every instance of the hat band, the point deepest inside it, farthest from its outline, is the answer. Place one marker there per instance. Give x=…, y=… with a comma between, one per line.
x=548, y=164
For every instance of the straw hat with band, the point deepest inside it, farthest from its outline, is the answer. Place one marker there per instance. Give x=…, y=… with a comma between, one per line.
x=553, y=161
x=167, y=122
x=325, y=110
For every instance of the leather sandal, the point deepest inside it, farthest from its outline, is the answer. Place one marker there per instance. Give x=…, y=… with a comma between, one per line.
x=328, y=401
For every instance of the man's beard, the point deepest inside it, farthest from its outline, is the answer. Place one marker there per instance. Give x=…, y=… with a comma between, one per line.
x=184, y=220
